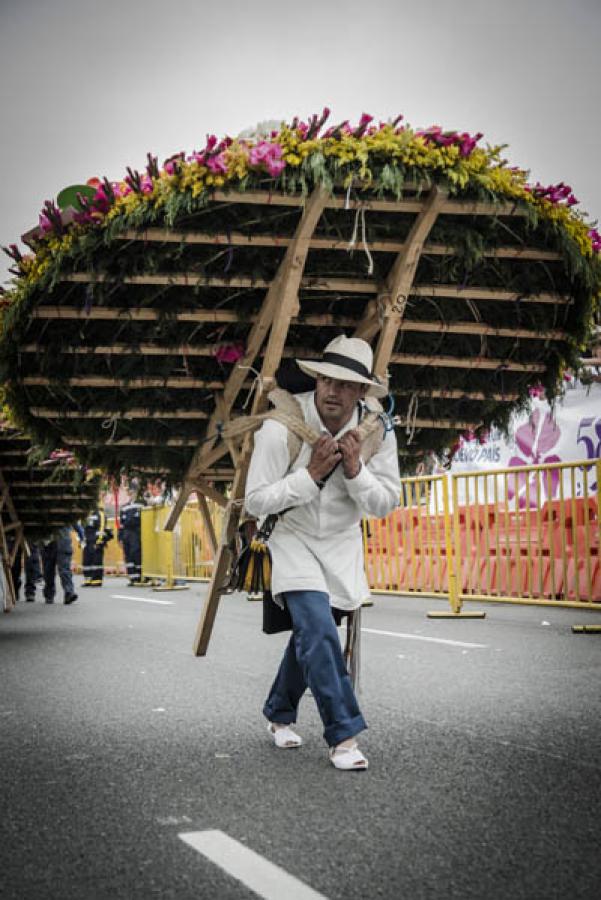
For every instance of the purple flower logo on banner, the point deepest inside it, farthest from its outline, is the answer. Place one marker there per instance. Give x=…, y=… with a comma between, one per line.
x=535, y=439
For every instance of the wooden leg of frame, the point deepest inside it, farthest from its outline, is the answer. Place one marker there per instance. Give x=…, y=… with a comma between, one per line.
x=221, y=567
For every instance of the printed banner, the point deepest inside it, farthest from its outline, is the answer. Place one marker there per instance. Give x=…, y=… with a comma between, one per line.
x=569, y=432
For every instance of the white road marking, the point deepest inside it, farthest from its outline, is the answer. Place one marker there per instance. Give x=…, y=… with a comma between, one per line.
x=258, y=874
x=142, y=599
x=432, y=640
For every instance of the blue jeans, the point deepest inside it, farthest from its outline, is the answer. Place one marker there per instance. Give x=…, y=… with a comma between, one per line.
x=314, y=659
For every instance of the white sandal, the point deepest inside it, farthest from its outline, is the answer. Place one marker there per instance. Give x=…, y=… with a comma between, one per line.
x=284, y=738
x=348, y=758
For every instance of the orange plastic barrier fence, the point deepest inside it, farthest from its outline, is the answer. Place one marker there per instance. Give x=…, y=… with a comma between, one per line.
x=530, y=534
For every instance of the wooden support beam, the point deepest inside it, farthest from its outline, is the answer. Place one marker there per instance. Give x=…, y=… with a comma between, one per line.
x=392, y=300
x=287, y=307
x=207, y=456
x=203, y=488
x=208, y=522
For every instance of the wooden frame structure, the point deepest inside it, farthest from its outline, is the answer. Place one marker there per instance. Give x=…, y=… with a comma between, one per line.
x=118, y=359
x=9, y=522
x=34, y=500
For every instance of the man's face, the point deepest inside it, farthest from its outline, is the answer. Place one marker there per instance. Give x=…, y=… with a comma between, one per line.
x=335, y=400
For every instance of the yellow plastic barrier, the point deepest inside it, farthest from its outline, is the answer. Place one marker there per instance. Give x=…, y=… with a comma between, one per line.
x=184, y=553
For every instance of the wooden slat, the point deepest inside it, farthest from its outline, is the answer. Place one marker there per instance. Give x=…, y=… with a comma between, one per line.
x=478, y=328
x=45, y=510
x=334, y=286
x=103, y=381
x=237, y=239
x=76, y=441
x=177, y=279
x=457, y=394
x=455, y=362
x=454, y=207
x=141, y=413
x=439, y=423
x=39, y=496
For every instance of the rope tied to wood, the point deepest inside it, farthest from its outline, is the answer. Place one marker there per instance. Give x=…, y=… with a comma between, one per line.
x=257, y=383
x=411, y=417
x=360, y=216
x=111, y=422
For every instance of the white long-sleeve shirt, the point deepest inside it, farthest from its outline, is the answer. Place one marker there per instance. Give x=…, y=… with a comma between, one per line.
x=317, y=544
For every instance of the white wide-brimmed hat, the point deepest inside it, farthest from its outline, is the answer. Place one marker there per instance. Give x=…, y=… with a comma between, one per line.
x=346, y=359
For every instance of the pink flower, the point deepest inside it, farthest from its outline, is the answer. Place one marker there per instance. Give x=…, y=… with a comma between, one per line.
x=229, y=353
x=363, y=123
x=269, y=156
x=44, y=223
x=595, y=240
x=536, y=390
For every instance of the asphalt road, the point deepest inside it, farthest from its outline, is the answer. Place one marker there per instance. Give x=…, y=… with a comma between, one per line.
x=485, y=761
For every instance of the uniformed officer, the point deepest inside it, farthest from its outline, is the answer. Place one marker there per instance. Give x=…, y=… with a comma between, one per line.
x=96, y=536
x=130, y=535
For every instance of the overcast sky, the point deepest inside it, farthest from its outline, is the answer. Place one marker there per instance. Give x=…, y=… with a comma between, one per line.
x=88, y=87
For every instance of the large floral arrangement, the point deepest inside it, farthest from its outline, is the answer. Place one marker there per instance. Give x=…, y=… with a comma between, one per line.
x=383, y=156
x=366, y=160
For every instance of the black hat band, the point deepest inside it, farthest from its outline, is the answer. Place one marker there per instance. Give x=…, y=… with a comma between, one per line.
x=347, y=362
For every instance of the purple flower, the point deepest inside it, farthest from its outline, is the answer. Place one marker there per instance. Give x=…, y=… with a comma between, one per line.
x=534, y=439
x=217, y=164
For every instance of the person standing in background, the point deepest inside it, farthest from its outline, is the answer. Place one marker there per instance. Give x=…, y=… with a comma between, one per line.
x=130, y=536
x=33, y=572
x=96, y=536
x=57, y=555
